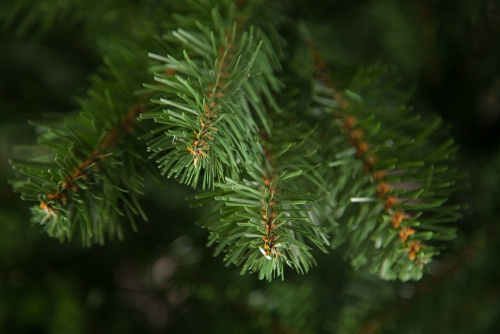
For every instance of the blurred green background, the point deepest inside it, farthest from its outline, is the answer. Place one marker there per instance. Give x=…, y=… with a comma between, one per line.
x=163, y=279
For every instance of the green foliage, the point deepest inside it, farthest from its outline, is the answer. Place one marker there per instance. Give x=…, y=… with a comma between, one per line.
x=164, y=278
x=25, y=17
x=86, y=170
x=391, y=178
x=265, y=220
x=211, y=94
x=286, y=170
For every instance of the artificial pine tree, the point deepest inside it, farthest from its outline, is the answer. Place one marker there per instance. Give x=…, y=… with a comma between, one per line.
x=287, y=164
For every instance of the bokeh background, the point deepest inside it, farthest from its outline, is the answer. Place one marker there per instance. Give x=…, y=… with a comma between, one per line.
x=164, y=279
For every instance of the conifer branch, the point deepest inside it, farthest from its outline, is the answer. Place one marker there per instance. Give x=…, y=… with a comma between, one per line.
x=401, y=187
x=265, y=220
x=84, y=178
x=212, y=92
x=217, y=119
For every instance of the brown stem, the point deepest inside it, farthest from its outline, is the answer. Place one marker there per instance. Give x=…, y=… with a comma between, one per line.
x=92, y=161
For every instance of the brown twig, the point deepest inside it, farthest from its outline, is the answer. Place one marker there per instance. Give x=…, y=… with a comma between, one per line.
x=82, y=171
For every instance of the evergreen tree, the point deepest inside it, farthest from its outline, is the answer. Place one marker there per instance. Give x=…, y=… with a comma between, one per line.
x=244, y=111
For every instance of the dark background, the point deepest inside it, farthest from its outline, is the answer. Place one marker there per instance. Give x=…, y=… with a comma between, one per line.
x=163, y=279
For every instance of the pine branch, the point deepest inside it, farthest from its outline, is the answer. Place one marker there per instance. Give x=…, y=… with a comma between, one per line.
x=233, y=92
x=399, y=179
x=88, y=174
x=211, y=93
x=376, y=181
x=265, y=220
